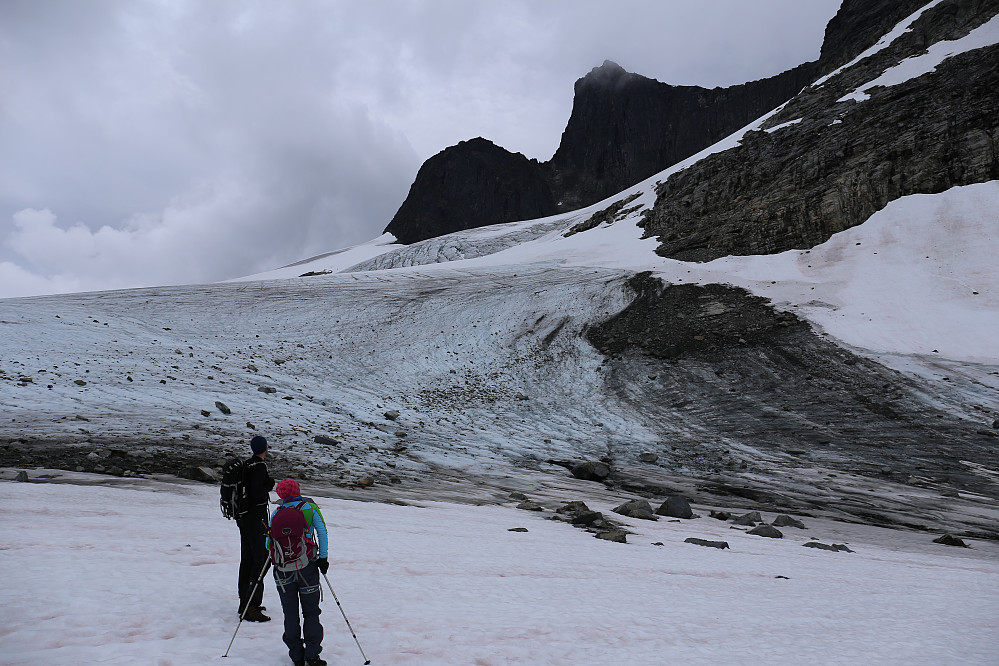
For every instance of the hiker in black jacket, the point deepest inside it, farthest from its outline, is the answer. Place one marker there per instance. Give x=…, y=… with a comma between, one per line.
x=252, y=521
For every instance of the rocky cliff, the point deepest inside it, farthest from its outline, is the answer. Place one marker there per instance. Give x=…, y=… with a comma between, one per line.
x=623, y=128
x=832, y=158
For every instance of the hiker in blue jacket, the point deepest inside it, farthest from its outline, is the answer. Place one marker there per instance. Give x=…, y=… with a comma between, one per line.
x=299, y=549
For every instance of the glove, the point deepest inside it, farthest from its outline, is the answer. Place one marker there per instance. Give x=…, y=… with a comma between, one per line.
x=324, y=564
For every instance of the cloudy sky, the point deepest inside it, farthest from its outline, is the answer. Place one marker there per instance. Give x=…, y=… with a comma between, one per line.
x=147, y=142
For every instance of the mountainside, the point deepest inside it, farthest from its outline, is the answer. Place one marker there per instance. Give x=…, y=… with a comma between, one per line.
x=855, y=379
x=903, y=119
x=623, y=128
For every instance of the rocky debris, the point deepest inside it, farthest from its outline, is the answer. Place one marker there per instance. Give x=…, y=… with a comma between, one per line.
x=617, y=536
x=720, y=515
x=519, y=496
x=221, y=406
x=267, y=389
x=591, y=471
x=951, y=540
x=528, y=505
x=767, y=531
x=200, y=473
x=517, y=529
x=675, y=506
x=787, y=521
x=22, y=476
x=836, y=547
x=637, y=508
x=205, y=412
x=365, y=482
x=648, y=457
x=721, y=545
x=392, y=414
x=586, y=518
x=79, y=382
x=325, y=440
x=748, y=519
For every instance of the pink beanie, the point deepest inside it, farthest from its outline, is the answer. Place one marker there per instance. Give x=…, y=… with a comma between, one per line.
x=287, y=488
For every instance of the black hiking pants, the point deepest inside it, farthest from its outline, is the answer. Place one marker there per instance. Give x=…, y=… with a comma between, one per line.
x=252, y=556
x=303, y=636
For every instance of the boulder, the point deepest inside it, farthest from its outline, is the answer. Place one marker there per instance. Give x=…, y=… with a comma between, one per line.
x=205, y=474
x=530, y=506
x=720, y=515
x=637, y=508
x=721, y=545
x=836, y=547
x=788, y=521
x=22, y=476
x=950, y=540
x=618, y=536
x=517, y=529
x=749, y=519
x=221, y=406
x=392, y=414
x=591, y=471
x=767, y=531
x=323, y=439
x=587, y=518
x=675, y=506
x=648, y=457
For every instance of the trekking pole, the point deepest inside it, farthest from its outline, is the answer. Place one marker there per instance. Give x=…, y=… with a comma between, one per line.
x=366, y=660
x=260, y=579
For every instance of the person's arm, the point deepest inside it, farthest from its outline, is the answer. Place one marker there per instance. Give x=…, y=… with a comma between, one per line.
x=258, y=484
x=319, y=526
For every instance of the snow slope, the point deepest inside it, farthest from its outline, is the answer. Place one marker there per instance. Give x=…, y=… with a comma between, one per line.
x=131, y=572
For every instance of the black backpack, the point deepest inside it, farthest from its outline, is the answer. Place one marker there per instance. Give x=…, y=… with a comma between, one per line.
x=232, y=489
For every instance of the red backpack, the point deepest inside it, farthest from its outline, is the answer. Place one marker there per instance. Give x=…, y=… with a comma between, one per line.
x=291, y=547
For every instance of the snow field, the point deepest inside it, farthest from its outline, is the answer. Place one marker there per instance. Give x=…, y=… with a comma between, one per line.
x=146, y=574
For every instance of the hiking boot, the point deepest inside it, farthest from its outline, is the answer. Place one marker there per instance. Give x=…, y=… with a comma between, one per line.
x=316, y=661
x=298, y=662
x=254, y=614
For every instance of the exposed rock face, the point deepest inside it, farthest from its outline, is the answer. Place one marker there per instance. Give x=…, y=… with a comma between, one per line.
x=844, y=159
x=475, y=183
x=623, y=128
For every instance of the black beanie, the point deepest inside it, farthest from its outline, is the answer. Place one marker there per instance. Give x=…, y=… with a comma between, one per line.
x=258, y=444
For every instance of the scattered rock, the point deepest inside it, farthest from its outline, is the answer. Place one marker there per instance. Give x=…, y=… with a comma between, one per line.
x=617, y=536
x=788, y=521
x=521, y=396
x=950, y=540
x=520, y=497
x=767, y=531
x=250, y=426
x=206, y=474
x=721, y=545
x=517, y=529
x=530, y=506
x=392, y=414
x=222, y=408
x=366, y=482
x=591, y=471
x=675, y=506
x=267, y=389
x=22, y=476
x=749, y=519
x=323, y=439
x=720, y=515
x=205, y=412
x=836, y=547
x=782, y=577
x=586, y=518
x=648, y=457
x=79, y=382
x=573, y=507
x=658, y=543
x=638, y=508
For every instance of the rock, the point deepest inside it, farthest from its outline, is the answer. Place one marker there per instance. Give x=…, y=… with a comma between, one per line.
x=721, y=545
x=79, y=382
x=618, y=536
x=648, y=457
x=788, y=521
x=517, y=529
x=206, y=474
x=205, y=412
x=366, y=482
x=22, y=476
x=521, y=396
x=836, y=547
x=267, y=389
x=591, y=471
x=950, y=540
x=518, y=496
x=636, y=509
x=572, y=508
x=223, y=408
x=530, y=506
x=749, y=519
x=995, y=425
x=327, y=441
x=767, y=531
x=720, y=515
x=392, y=414
x=586, y=518
x=675, y=506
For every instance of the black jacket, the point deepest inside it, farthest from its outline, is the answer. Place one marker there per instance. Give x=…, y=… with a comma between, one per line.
x=258, y=484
